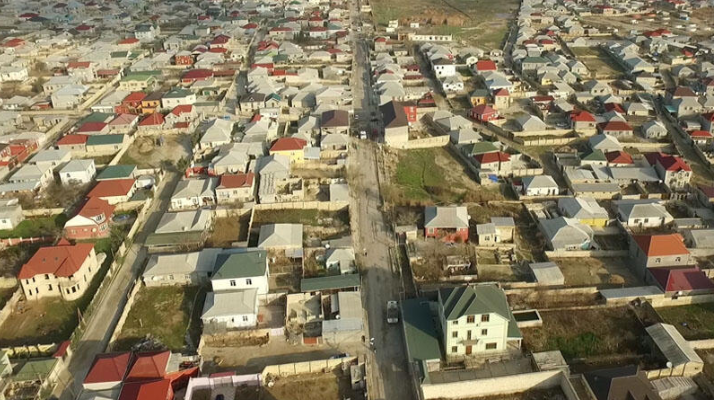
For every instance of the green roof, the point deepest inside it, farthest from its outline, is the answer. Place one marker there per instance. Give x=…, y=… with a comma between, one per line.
x=138, y=76
x=174, y=238
x=116, y=172
x=422, y=338
x=119, y=54
x=177, y=93
x=481, y=148
x=531, y=60
x=240, y=265
x=595, y=155
x=99, y=140
x=35, y=370
x=330, y=283
x=97, y=117
x=475, y=300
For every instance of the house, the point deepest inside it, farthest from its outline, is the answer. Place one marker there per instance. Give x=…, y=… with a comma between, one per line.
x=175, y=229
x=584, y=209
x=479, y=97
x=701, y=239
x=50, y=158
x=231, y=309
x=236, y=188
x=137, y=81
x=530, y=123
x=547, y=274
x=68, y=97
x=152, y=122
x=192, y=193
x=291, y=147
x=604, y=143
x=582, y=120
x=281, y=237
x=63, y=270
x=620, y=383
x=452, y=83
x=685, y=281
x=218, y=132
x=673, y=170
x=182, y=269
x=231, y=159
x=672, y=350
x=341, y=260
x=700, y=137
x=615, y=128
x=335, y=121
x=114, y=191
x=107, y=371
x=118, y=171
x=642, y=213
x=247, y=270
x=91, y=221
x=484, y=113
x=75, y=144
x=123, y=123
x=334, y=141
x=618, y=158
x=78, y=172
x=151, y=103
x=10, y=214
x=449, y=223
x=566, y=234
x=177, y=97
x=661, y=250
x=395, y=122
x=540, y=185
x=476, y=320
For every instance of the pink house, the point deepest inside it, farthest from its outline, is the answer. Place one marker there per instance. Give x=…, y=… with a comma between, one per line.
x=451, y=224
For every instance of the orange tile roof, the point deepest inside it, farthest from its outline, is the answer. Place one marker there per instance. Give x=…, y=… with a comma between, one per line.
x=111, y=188
x=288, y=144
x=109, y=367
x=148, y=366
x=61, y=260
x=661, y=245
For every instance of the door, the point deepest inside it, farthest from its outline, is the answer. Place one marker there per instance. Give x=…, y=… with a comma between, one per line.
x=469, y=350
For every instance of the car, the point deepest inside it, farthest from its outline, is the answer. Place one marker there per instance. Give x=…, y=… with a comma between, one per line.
x=340, y=355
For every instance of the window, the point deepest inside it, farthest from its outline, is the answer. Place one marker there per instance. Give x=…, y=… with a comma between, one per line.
x=657, y=260
x=74, y=289
x=455, y=322
x=491, y=346
x=485, y=318
x=454, y=349
x=677, y=259
x=454, y=334
x=49, y=287
x=232, y=282
x=470, y=319
x=484, y=332
x=245, y=318
x=47, y=276
x=469, y=335
x=249, y=282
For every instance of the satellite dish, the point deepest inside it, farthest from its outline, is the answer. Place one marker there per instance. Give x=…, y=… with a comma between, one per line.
x=669, y=364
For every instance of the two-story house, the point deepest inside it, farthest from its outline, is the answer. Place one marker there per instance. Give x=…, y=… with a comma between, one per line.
x=241, y=271
x=476, y=321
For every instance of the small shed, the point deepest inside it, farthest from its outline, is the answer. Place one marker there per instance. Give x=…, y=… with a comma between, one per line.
x=676, y=351
x=547, y=274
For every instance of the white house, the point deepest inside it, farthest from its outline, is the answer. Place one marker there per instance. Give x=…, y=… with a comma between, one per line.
x=231, y=309
x=78, y=172
x=540, y=185
x=239, y=271
x=191, y=193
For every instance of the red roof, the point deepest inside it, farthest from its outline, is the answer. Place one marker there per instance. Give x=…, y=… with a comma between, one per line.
x=685, y=279
x=701, y=134
x=288, y=144
x=155, y=390
x=218, y=50
x=14, y=42
x=135, y=96
x=61, y=260
x=84, y=27
x=123, y=119
x=619, y=157
x=582, y=116
x=236, y=181
x=62, y=349
x=197, y=74
x=109, y=367
x=182, y=109
x=129, y=41
x=221, y=39
x=496, y=156
x=92, y=127
x=78, y=64
x=673, y=163
x=483, y=109
x=661, y=245
x=486, y=65
x=614, y=107
x=501, y=92
x=152, y=120
x=94, y=207
x=542, y=99
x=72, y=140
x=612, y=126
x=111, y=188
x=250, y=26
x=148, y=366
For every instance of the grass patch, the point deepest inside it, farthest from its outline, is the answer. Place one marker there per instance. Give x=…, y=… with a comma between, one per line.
x=587, y=333
x=32, y=227
x=172, y=306
x=698, y=320
x=228, y=230
x=312, y=217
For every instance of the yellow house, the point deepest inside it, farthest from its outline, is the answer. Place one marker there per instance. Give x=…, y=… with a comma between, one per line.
x=585, y=209
x=479, y=97
x=293, y=148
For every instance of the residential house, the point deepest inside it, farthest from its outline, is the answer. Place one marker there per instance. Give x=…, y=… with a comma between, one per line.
x=192, y=193
x=281, y=237
x=63, y=271
x=247, y=270
x=660, y=250
x=476, y=321
x=92, y=221
x=231, y=309
x=584, y=209
x=395, y=122
x=642, y=213
x=236, y=188
x=448, y=223
x=78, y=172
x=566, y=234
x=219, y=132
x=654, y=130
x=177, y=97
x=114, y=191
x=335, y=121
x=183, y=269
x=540, y=185
x=74, y=144
x=620, y=383
x=291, y=147
x=673, y=170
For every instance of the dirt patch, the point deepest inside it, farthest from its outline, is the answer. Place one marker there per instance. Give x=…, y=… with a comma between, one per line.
x=539, y=299
x=150, y=152
x=589, y=271
x=228, y=230
x=536, y=394
x=327, y=386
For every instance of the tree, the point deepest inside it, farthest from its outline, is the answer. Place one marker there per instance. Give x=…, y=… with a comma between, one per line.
x=37, y=85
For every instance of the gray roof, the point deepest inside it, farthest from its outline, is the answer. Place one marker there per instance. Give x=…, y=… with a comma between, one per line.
x=485, y=229
x=643, y=210
x=280, y=235
x=702, y=238
x=446, y=217
x=224, y=304
x=240, y=265
x=539, y=181
x=77, y=166
x=547, y=273
x=339, y=192
x=582, y=208
x=183, y=263
x=50, y=155
x=195, y=187
x=503, y=222
x=184, y=221
x=672, y=344
x=562, y=232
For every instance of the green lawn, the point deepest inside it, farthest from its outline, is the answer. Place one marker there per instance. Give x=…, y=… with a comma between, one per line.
x=42, y=226
x=698, y=319
x=305, y=217
x=162, y=313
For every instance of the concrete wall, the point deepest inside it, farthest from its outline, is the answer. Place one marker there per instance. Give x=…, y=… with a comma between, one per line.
x=587, y=253
x=42, y=212
x=205, y=382
x=123, y=317
x=494, y=386
x=556, y=141
x=701, y=344
x=10, y=305
x=436, y=141
x=303, y=205
x=305, y=367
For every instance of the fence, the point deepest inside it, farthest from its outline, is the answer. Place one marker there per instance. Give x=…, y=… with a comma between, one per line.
x=42, y=212
x=305, y=367
x=546, y=132
x=544, y=141
x=437, y=141
x=500, y=385
x=127, y=144
x=304, y=205
x=10, y=305
x=7, y=282
x=136, y=286
x=701, y=344
x=586, y=253
x=16, y=241
x=203, y=383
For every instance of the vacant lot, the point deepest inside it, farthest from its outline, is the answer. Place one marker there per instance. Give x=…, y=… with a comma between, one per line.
x=328, y=386
x=587, y=333
x=147, y=152
x=482, y=214
x=589, y=271
x=305, y=217
x=39, y=321
x=540, y=299
x=164, y=314
x=482, y=20
x=32, y=227
x=432, y=176
x=228, y=230
x=694, y=321
x=536, y=394
x=601, y=65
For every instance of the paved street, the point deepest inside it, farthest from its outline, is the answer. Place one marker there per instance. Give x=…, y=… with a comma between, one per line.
x=102, y=322
x=388, y=375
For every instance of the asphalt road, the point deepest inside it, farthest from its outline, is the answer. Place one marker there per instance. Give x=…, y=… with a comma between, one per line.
x=101, y=324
